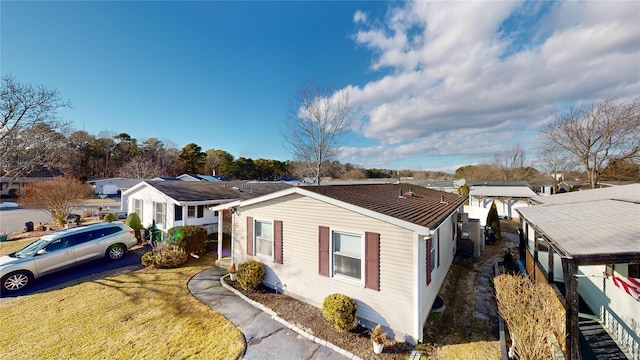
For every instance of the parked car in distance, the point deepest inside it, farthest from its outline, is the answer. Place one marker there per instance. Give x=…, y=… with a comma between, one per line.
x=64, y=249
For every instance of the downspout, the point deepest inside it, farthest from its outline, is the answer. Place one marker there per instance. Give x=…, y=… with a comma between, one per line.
x=417, y=294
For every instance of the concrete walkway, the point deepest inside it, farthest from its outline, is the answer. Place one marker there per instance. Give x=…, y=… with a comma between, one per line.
x=267, y=336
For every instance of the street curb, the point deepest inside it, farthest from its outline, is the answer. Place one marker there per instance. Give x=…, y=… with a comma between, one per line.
x=284, y=322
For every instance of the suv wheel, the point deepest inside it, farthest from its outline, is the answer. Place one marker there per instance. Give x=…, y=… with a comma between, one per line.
x=16, y=280
x=116, y=251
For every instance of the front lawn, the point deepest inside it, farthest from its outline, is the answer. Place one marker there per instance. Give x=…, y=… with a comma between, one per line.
x=142, y=314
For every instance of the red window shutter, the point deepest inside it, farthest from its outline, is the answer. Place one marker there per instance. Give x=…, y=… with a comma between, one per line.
x=428, y=243
x=438, y=247
x=323, y=250
x=372, y=261
x=249, y=236
x=277, y=241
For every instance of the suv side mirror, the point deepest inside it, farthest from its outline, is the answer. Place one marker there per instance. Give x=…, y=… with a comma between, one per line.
x=41, y=252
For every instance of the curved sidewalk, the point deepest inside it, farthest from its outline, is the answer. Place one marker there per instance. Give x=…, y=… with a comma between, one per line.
x=267, y=336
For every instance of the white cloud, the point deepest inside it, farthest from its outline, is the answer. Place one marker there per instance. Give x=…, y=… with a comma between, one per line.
x=359, y=17
x=468, y=78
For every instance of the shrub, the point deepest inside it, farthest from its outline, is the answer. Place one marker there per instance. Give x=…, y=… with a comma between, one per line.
x=133, y=221
x=169, y=256
x=493, y=219
x=250, y=274
x=340, y=311
x=190, y=238
x=110, y=217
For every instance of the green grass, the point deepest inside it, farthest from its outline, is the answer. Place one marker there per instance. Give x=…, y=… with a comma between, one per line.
x=146, y=314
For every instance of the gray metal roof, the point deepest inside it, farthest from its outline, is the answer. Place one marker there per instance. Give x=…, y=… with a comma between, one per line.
x=522, y=191
x=625, y=193
x=603, y=227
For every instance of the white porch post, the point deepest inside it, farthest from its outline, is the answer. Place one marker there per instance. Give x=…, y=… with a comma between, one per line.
x=220, y=217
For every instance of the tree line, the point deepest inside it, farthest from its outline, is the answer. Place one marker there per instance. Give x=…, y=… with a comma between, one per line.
x=597, y=140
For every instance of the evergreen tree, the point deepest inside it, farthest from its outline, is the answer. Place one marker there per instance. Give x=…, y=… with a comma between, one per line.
x=493, y=219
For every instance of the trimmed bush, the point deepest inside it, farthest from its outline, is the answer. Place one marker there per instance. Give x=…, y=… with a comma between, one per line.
x=110, y=217
x=340, y=311
x=190, y=238
x=133, y=221
x=250, y=274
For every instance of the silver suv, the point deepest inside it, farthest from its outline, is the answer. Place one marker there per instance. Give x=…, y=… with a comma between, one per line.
x=63, y=249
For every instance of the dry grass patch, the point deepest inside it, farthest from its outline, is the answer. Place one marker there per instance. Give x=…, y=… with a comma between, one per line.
x=143, y=314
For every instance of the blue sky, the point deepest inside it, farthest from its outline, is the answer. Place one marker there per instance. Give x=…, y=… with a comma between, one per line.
x=433, y=85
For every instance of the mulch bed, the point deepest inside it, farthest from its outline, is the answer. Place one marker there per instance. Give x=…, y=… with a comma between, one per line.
x=310, y=319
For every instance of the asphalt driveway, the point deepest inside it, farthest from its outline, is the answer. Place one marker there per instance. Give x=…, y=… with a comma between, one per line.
x=85, y=272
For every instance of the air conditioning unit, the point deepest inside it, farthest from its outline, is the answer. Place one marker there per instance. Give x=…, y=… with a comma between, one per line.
x=463, y=218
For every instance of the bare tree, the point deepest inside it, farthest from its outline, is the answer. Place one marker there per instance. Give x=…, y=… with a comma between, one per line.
x=595, y=133
x=139, y=168
x=316, y=121
x=511, y=163
x=28, y=114
x=58, y=196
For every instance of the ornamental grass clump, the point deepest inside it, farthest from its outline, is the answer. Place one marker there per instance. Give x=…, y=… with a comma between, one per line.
x=377, y=335
x=340, y=311
x=165, y=256
x=250, y=274
x=534, y=316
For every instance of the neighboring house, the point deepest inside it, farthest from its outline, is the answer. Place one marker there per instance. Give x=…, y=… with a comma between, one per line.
x=388, y=246
x=198, y=177
x=176, y=203
x=570, y=186
x=508, y=196
x=594, y=239
x=169, y=204
x=112, y=186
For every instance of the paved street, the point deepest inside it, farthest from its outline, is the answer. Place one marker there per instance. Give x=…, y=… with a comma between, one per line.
x=12, y=220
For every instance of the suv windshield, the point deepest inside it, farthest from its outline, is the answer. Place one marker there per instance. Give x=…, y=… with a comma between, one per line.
x=31, y=248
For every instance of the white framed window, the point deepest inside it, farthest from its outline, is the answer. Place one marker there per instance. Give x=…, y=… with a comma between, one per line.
x=433, y=253
x=159, y=214
x=137, y=207
x=346, y=255
x=191, y=211
x=263, y=238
